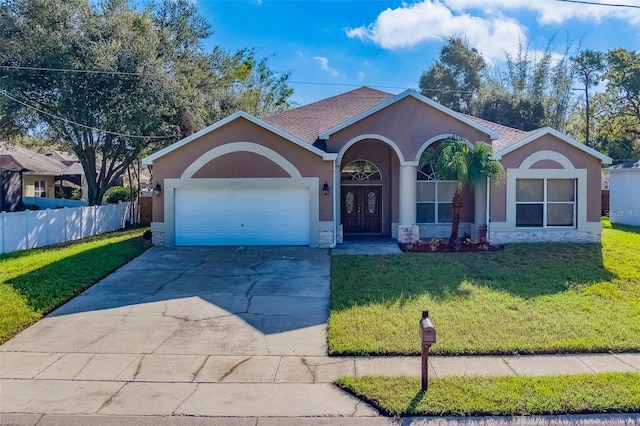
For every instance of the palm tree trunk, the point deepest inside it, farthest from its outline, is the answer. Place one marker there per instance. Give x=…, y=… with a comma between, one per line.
x=455, y=220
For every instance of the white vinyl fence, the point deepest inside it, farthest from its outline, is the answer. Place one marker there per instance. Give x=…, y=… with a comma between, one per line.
x=38, y=228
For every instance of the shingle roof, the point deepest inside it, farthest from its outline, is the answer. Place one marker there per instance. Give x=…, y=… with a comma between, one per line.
x=308, y=121
x=508, y=135
x=67, y=158
x=30, y=161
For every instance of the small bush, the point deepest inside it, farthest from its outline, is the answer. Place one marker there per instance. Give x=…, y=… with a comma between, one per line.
x=119, y=193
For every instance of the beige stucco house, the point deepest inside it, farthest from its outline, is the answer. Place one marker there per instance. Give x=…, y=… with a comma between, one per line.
x=348, y=166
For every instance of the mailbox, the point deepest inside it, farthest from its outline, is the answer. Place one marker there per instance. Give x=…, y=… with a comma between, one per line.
x=428, y=337
x=428, y=330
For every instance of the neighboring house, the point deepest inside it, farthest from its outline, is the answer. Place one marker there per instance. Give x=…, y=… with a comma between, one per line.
x=624, y=187
x=25, y=173
x=138, y=177
x=348, y=166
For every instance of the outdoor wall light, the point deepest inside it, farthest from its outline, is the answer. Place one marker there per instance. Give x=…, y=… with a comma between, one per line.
x=325, y=188
x=157, y=190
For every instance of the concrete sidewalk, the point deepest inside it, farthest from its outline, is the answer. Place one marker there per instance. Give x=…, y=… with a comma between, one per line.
x=163, y=368
x=237, y=386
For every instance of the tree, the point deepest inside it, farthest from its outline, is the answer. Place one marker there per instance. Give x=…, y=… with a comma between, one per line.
x=155, y=83
x=455, y=79
x=623, y=76
x=588, y=66
x=512, y=110
x=534, y=91
x=455, y=160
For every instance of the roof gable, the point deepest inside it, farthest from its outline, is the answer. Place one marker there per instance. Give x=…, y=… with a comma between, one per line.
x=241, y=114
x=537, y=134
x=309, y=121
x=460, y=117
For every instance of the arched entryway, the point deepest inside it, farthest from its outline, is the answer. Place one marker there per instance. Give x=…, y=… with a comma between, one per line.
x=361, y=194
x=368, y=169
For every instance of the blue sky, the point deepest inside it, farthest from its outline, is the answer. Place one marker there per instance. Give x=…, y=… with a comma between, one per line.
x=387, y=44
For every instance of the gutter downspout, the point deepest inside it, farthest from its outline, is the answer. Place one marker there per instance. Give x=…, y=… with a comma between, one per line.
x=335, y=207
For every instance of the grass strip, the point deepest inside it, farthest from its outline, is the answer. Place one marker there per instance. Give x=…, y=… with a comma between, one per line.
x=526, y=299
x=499, y=395
x=35, y=282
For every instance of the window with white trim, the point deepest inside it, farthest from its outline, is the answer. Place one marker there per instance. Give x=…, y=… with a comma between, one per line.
x=40, y=188
x=545, y=203
x=434, y=198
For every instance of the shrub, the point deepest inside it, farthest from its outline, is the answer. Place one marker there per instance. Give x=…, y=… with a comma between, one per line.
x=119, y=193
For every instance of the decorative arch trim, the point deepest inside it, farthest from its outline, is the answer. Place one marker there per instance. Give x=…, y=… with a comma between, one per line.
x=555, y=156
x=381, y=138
x=438, y=138
x=229, y=148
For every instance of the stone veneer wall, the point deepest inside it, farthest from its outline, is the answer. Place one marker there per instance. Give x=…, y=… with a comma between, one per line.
x=325, y=239
x=157, y=238
x=547, y=236
x=340, y=237
x=408, y=234
x=444, y=230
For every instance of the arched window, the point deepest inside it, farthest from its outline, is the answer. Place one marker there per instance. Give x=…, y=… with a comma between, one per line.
x=360, y=170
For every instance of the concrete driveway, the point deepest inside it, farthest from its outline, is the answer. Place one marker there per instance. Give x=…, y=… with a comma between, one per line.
x=186, y=331
x=206, y=301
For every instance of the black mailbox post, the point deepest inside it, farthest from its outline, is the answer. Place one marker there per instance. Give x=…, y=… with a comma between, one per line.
x=428, y=337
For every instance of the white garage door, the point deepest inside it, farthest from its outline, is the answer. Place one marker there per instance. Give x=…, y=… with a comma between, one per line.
x=250, y=216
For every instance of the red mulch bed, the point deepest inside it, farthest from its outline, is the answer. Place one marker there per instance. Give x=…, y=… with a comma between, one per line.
x=443, y=246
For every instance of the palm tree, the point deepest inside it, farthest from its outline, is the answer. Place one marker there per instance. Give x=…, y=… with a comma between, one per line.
x=467, y=165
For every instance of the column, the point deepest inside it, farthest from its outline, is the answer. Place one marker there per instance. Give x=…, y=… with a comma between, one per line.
x=480, y=205
x=407, y=229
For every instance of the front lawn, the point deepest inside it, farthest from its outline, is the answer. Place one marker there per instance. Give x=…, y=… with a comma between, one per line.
x=500, y=396
x=35, y=282
x=528, y=298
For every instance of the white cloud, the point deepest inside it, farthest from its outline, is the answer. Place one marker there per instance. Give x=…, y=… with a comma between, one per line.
x=361, y=75
x=324, y=65
x=409, y=25
x=552, y=12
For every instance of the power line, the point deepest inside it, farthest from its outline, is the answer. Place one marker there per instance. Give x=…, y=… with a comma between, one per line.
x=380, y=87
x=348, y=85
x=316, y=83
x=15, y=67
x=57, y=117
x=593, y=3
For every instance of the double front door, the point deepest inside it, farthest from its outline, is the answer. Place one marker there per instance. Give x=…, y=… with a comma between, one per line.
x=361, y=209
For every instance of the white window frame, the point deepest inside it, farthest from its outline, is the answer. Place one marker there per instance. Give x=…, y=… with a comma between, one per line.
x=40, y=191
x=437, y=202
x=526, y=171
x=545, y=202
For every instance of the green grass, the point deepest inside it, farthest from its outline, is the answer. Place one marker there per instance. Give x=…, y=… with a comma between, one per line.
x=527, y=298
x=35, y=282
x=499, y=396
